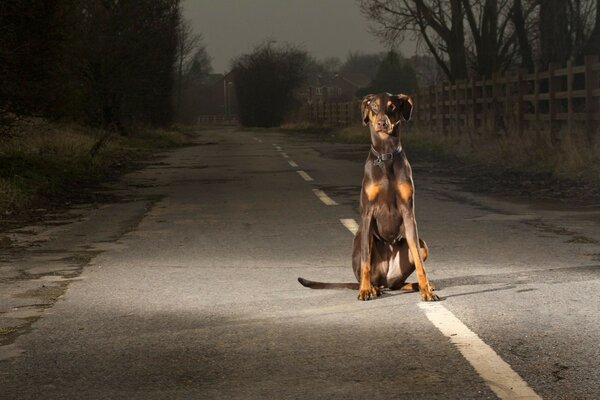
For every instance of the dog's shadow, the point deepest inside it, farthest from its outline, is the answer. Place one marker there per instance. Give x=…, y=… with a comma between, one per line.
x=393, y=293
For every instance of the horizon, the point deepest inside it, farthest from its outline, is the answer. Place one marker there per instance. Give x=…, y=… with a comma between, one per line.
x=248, y=24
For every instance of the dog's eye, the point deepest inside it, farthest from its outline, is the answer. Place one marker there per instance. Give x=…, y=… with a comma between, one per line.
x=391, y=107
x=374, y=107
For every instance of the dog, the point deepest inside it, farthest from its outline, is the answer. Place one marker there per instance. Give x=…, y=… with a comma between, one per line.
x=386, y=248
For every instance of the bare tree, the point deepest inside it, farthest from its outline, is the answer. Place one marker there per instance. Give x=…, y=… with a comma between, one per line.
x=519, y=17
x=187, y=43
x=366, y=64
x=439, y=24
x=555, y=43
x=265, y=80
x=592, y=47
x=493, y=39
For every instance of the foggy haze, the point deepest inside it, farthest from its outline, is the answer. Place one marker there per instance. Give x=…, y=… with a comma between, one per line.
x=322, y=27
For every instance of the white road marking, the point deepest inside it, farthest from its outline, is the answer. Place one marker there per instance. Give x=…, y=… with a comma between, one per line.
x=284, y=155
x=277, y=147
x=350, y=224
x=292, y=164
x=496, y=373
x=324, y=198
x=305, y=176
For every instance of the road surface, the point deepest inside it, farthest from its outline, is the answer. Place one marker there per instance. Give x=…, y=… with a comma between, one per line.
x=182, y=285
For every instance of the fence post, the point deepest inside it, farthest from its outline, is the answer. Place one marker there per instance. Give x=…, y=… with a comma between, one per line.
x=473, y=105
x=536, y=96
x=457, y=108
x=552, y=89
x=430, y=99
x=591, y=104
x=569, y=98
x=437, y=109
x=508, y=82
x=520, y=101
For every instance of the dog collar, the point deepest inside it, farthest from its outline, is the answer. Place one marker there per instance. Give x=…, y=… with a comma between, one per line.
x=380, y=158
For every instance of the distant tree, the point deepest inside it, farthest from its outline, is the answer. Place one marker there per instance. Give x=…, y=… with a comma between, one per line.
x=265, y=80
x=199, y=66
x=331, y=65
x=366, y=64
x=121, y=60
x=195, y=90
x=393, y=75
x=187, y=42
x=325, y=68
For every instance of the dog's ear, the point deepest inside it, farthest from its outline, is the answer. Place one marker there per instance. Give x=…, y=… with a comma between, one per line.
x=404, y=104
x=364, y=108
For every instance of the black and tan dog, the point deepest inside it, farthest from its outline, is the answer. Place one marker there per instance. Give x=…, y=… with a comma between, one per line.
x=387, y=248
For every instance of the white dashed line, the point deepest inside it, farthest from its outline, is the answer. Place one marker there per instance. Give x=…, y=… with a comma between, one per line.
x=292, y=164
x=277, y=147
x=496, y=373
x=324, y=198
x=284, y=155
x=305, y=176
x=350, y=224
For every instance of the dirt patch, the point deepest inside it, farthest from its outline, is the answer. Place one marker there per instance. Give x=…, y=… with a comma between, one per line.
x=49, y=294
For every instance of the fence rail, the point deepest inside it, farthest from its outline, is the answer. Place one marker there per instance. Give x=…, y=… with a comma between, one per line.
x=556, y=101
x=217, y=119
x=331, y=114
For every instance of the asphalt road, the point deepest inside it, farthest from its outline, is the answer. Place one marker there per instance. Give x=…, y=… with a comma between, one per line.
x=183, y=286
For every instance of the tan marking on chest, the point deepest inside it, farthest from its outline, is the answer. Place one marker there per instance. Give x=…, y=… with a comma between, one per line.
x=406, y=190
x=372, y=190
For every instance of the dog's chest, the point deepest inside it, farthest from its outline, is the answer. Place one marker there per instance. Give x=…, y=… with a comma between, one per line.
x=388, y=222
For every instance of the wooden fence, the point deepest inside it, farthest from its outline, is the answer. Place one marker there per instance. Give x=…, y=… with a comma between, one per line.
x=556, y=101
x=331, y=114
x=217, y=119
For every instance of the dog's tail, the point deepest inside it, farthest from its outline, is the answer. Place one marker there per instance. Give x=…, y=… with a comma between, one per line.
x=327, y=285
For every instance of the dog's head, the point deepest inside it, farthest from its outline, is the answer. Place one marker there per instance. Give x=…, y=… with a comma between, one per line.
x=383, y=111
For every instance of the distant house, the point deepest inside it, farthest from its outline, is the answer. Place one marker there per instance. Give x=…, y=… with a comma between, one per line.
x=346, y=85
x=341, y=87
x=222, y=99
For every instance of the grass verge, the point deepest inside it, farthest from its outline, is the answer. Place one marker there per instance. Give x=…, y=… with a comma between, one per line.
x=512, y=166
x=41, y=160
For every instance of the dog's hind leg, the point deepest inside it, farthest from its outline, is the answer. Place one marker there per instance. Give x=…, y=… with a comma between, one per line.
x=402, y=265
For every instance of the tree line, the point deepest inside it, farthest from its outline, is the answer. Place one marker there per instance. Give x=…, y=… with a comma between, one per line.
x=267, y=78
x=476, y=38
x=108, y=63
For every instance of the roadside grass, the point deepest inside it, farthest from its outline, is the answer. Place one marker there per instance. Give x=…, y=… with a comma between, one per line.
x=520, y=166
x=41, y=159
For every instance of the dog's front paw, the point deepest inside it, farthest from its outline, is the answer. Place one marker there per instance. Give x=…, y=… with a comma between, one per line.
x=369, y=293
x=428, y=294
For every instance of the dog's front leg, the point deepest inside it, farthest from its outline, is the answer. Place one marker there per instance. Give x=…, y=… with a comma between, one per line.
x=412, y=238
x=366, y=291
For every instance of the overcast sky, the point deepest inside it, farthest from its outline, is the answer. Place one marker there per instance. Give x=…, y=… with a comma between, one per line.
x=323, y=27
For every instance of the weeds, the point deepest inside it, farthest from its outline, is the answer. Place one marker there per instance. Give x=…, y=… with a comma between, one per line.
x=41, y=159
